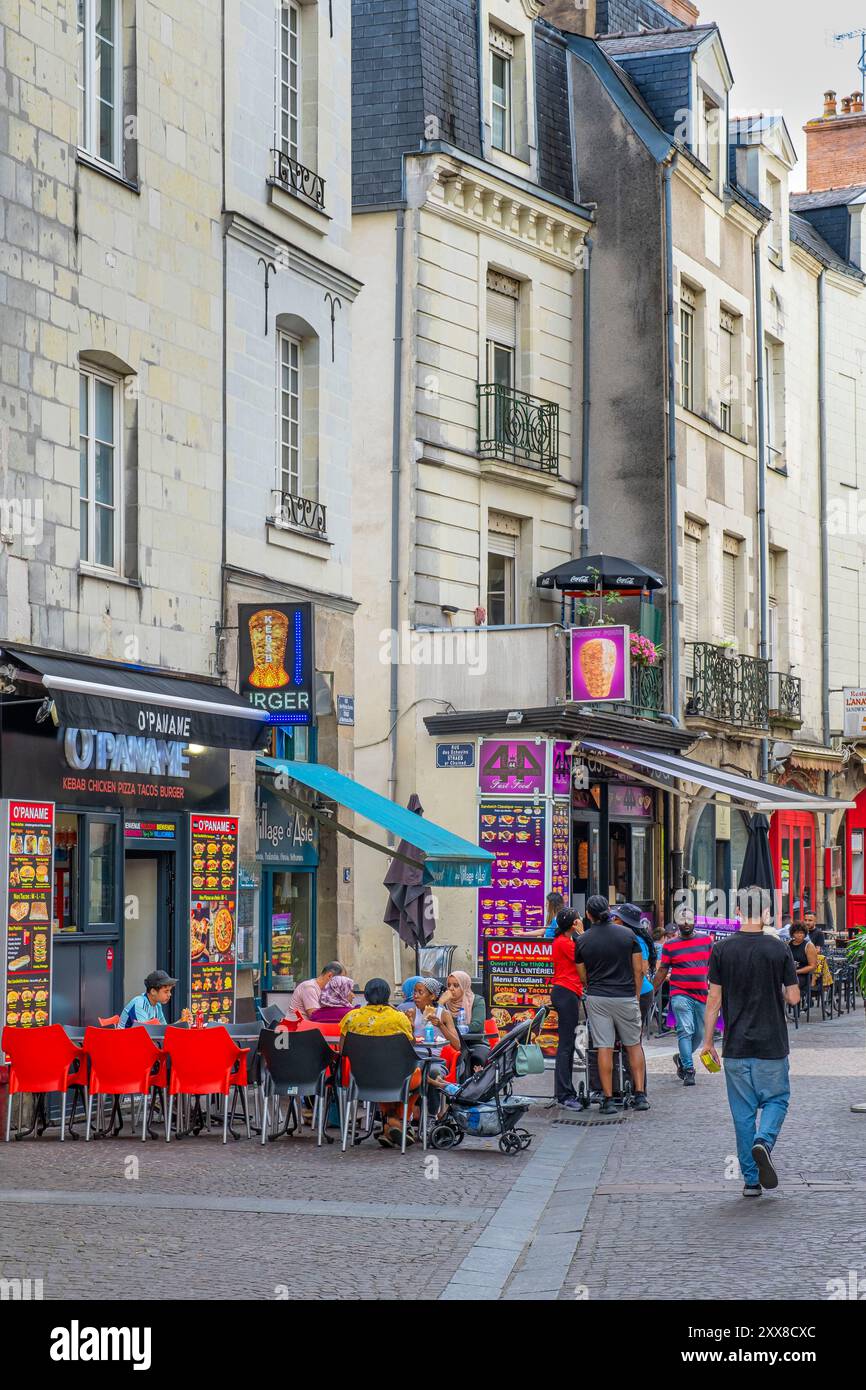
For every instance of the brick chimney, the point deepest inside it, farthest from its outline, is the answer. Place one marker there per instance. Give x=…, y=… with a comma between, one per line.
x=836, y=144
x=574, y=16
x=682, y=10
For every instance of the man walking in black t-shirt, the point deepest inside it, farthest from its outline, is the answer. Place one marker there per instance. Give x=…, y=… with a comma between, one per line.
x=610, y=965
x=752, y=977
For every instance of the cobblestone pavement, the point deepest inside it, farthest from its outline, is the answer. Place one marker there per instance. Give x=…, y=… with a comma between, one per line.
x=641, y=1208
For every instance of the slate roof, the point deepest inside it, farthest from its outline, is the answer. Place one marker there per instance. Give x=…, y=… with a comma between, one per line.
x=827, y=197
x=415, y=80
x=805, y=235
x=656, y=41
x=619, y=16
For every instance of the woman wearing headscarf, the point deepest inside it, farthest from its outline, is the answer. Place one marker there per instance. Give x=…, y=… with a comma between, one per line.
x=458, y=995
x=338, y=999
x=426, y=1008
x=408, y=989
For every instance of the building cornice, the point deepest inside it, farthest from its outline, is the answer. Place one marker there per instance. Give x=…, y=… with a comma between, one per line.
x=264, y=243
x=477, y=199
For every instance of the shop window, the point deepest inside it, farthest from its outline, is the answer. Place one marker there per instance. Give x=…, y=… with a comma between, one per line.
x=66, y=873
x=102, y=877
x=86, y=872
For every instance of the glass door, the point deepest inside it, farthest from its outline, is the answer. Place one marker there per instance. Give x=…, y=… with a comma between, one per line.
x=288, y=928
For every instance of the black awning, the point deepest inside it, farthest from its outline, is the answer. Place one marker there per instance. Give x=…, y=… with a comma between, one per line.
x=139, y=700
x=565, y=722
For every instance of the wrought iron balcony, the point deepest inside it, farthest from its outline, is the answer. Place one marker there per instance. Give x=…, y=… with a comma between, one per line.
x=730, y=688
x=296, y=178
x=292, y=513
x=518, y=428
x=786, y=704
x=647, y=694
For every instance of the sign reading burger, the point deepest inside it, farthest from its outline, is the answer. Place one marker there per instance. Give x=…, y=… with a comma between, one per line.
x=275, y=647
x=28, y=874
x=600, y=664
x=212, y=917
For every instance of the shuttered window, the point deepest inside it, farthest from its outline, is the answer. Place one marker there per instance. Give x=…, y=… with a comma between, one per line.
x=691, y=597
x=729, y=594
x=502, y=305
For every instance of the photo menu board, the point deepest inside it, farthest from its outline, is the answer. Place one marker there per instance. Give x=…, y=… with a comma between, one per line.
x=517, y=980
x=560, y=850
x=213, y=917
x=515, y=832
x=28, y=855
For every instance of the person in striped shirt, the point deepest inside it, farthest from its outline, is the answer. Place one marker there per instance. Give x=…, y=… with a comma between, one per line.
x=686, y=958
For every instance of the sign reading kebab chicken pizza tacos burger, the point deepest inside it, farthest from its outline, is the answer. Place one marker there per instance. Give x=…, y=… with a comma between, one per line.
x=213, y=903
x=28, y=878
x=600, y=664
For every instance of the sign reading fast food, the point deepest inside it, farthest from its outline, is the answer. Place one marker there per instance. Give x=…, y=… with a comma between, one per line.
x=275, y=647
x=28, y=877
x=213, y=900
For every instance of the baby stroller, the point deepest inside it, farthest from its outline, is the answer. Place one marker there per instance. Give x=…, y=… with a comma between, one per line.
x=484, y=1105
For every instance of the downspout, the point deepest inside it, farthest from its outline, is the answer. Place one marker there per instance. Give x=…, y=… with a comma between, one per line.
x=223, y=617
x=479, y=63
x=763, y=548
x=829, y=906
x=584, y=440
x=397, y=428
x=672, y=815
x=674, y=602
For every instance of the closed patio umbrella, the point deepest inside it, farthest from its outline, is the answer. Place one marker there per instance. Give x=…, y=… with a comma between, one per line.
x=410, y=902
x=757, y=870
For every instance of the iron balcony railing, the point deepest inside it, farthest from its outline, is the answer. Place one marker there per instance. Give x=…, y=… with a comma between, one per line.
x=647, y=694
x=294, y=513
x=518, y=428
x=298, y=179
x=730, y=688
x=786, y=698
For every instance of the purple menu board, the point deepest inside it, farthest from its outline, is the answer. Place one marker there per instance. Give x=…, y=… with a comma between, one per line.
x=560, y=846
x=515, y=832
x=512, y=767
x=561, y=769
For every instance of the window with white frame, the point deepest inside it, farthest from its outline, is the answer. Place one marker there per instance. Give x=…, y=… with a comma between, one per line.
x=100, y=79
x=710, y=137
x=100, y=452
x=774, y=200
x=774, y=402
x=692, y=597
x=773, y=568
x=501, y=96
x=289, y=394
x=688, y=310
x=503, y=541
x=729, y=382
x=289, y=81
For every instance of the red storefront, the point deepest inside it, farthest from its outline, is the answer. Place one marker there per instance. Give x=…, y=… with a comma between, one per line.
x=794, y=849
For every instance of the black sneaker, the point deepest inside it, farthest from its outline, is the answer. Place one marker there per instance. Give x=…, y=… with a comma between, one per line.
x=751, y=1191
x=688, y=1078
x=609, y=1106
x=761, y=1155
x=640, y=1101
x=678, y=1063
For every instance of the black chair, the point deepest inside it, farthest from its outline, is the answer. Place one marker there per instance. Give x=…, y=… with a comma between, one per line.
x=380, y=1071
x=295, y=1065
x=271, y=1014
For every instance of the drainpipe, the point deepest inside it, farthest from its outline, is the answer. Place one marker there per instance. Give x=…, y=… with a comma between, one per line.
x=397, y=428
x=481, y=46
x=674, y=602
x=829, y=912
x=584, y=441
x=763, y=547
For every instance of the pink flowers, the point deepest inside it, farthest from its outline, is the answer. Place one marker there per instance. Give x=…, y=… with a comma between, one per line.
x=643, y=651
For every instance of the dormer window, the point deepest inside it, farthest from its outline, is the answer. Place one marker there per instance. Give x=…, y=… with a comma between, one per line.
x=502, y=106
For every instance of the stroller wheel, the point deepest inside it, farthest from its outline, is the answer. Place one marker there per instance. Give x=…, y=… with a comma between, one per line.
x=443, y=1136
x=510, y=1143
x=524, y=1137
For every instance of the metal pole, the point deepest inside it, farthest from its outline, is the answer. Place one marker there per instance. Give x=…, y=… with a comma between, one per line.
x=584, y=442
x=829, y=914
x=763, y=547
x=672, y=498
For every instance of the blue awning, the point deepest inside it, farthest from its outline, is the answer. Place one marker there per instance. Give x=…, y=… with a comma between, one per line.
x=450, y=861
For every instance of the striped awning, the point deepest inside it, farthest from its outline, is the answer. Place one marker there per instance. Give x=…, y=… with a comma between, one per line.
x=665, y=769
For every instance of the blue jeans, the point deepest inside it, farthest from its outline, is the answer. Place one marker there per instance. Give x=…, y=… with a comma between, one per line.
x=689, y=1015
x=756, y=1083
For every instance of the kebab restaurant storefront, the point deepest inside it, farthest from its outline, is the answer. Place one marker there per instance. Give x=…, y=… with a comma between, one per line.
x=119, y=855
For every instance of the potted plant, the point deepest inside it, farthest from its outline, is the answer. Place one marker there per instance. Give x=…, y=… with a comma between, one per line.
x=644, y=651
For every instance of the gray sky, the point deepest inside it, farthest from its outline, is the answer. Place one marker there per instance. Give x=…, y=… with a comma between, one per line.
x=783, y=57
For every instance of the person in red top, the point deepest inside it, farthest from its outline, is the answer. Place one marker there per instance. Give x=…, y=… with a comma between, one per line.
x=686, y=958
x=565, y=996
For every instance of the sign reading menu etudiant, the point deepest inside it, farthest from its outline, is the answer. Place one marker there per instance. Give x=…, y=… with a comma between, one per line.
x=517, y=980
x=515, y=832
x=28, y=860
x=212, y=917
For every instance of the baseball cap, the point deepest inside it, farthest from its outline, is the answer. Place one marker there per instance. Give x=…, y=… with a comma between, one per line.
x=157, y=979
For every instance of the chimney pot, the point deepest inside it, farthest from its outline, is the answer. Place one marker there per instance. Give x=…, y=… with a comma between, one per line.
x=846, y=106
x=829, y=103
x=857, y=102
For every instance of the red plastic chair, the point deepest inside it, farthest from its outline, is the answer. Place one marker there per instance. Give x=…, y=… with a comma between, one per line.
x=204, y=1062
x=122, y=1063
x=110, y=1022
x=450, y=1056
x=42, y=1060
x=491, y=1028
